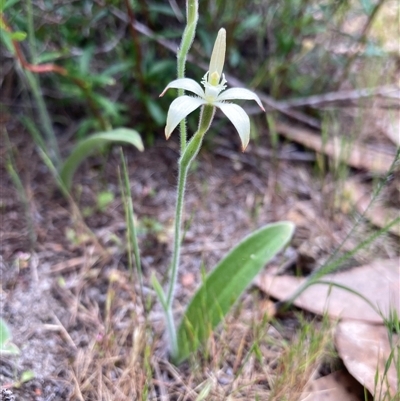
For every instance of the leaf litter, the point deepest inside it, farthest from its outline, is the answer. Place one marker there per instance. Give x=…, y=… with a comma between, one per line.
x=361, y=338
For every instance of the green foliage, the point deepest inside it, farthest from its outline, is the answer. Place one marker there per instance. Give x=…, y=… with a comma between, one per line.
x=133, y=245
x=87, y=146
x=122, y=71
x=112, y=76
x=227, y=281
x=25, y=377
x=104, y=198
x=6, y=346
x=234, y=273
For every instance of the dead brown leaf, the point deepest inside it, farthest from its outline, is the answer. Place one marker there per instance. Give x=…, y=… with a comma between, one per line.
x=336, y=386
x=378, y=282
x=365, y=349
x=377, y=214
x=357, y=155
x=389, y=123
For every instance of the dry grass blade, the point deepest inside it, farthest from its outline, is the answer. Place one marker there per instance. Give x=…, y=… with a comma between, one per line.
x=300, y=361
x=377, y=214
x=115, y=362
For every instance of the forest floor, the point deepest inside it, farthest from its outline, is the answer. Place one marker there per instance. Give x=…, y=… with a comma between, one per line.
x=64, y=292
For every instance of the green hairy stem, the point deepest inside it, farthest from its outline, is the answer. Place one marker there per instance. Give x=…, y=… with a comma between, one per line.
x=192, y=16
x=191, y=150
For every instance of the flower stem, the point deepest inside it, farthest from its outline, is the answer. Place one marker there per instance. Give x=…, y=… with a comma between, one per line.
x=191, y=150
x=192, y=16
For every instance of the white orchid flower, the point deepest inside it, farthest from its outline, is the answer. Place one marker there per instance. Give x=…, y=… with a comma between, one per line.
x=214, y=94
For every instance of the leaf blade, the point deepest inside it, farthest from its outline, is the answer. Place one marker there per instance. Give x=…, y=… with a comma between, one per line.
x=87, y=146
x=223, y=286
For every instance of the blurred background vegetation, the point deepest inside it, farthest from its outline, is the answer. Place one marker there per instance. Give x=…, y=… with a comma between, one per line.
x=116, y=55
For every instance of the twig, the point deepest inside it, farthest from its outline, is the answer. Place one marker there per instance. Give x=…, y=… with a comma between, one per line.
x=361, y=157
x=391, y=91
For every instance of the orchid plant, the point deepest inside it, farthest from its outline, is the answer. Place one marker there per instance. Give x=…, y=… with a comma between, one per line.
x=214, y=95
x=235, y=272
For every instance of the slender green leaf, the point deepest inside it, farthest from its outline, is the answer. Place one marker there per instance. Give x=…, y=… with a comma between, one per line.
x=130, y=219
x=224, y=285
x=49, y=56
x=159, y=291
x=87, y=146
x=5, y=37
x=6, y=4
x=155, y=111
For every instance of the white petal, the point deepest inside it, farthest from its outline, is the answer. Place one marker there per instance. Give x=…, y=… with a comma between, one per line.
x=239, y=93
x=179, y=109
x=186, y=84
x=239, y=119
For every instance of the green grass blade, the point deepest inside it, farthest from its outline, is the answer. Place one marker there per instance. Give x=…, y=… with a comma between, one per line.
x=224, y=285
x=159, y=291
x=86, y=147
x=130, y=220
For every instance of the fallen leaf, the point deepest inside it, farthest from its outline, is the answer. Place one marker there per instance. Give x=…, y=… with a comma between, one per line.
x=358, y=156
x=389, y=123
x=365, y=349
x=378, y=215
x=337, y=386
x=378, y=282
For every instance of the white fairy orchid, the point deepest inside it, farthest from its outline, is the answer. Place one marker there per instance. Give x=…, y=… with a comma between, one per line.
x=214, y=94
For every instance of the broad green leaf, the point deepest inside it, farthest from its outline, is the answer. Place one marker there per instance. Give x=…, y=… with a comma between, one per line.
x=224, y=285
x=6, y=347
x=19, y=36
x=27, y=376
x=10, y=349
x=87, y=146
x=5, y=334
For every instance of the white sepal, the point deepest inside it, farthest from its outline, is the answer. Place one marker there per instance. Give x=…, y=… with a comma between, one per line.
x=179, y=109
x=239, y=119
x=240, y=93
x=186, y=84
